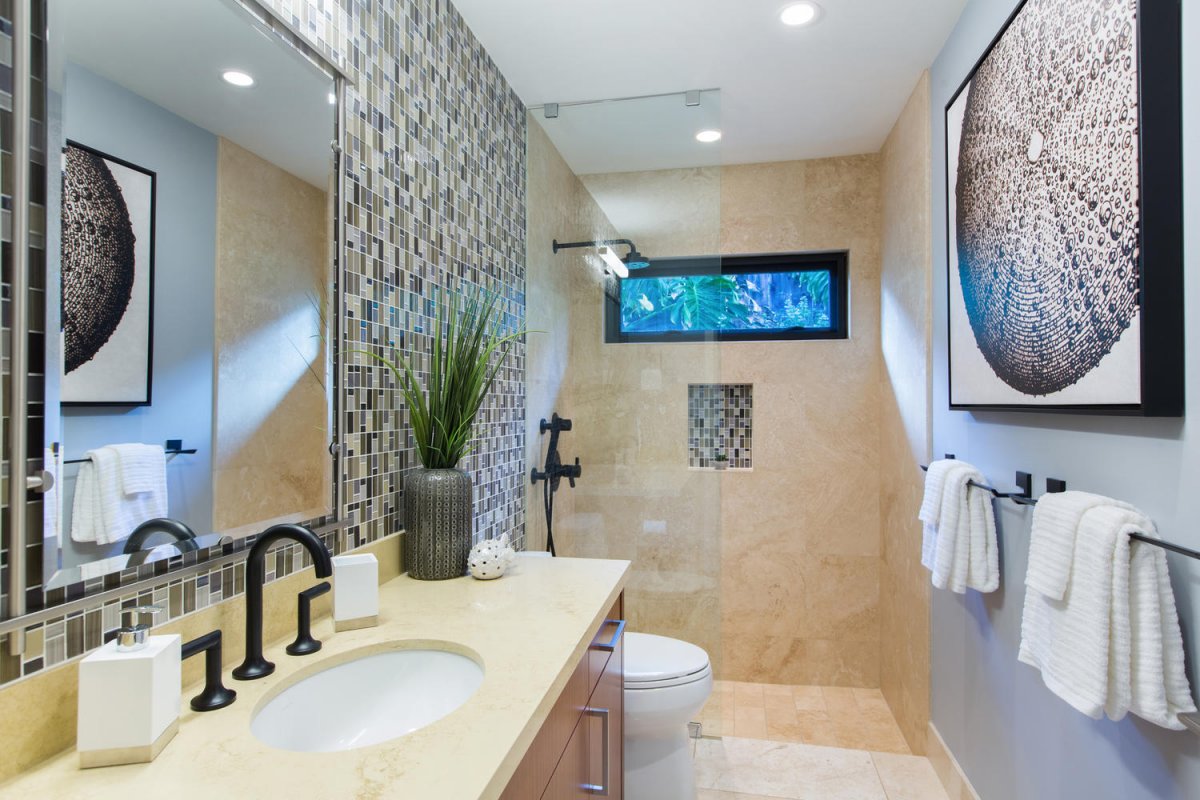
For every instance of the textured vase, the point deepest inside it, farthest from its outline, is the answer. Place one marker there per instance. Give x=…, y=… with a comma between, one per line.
x=438, y=521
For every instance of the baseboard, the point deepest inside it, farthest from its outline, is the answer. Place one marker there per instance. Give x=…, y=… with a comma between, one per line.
x=953, y=779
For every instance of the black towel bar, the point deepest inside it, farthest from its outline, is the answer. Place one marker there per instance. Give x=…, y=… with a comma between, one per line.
x=1025, y=497
x=170, y=451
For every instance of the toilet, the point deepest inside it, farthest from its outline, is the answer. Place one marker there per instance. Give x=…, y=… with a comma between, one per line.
x=667, y=682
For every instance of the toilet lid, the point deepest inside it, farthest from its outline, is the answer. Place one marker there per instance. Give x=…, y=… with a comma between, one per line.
x=656, y=658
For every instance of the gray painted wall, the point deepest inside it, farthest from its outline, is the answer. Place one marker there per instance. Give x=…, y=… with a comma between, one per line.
x=103, y=115
x=1013, y=737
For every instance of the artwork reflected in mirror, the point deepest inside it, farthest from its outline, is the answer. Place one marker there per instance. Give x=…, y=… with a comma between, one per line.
x=107, y=278
x=188, y=395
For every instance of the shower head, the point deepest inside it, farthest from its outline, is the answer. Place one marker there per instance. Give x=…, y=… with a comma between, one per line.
x=635, y=260
x=621, y=266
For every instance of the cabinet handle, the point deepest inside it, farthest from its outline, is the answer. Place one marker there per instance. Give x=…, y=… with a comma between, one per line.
x=602, y=788
x=611, y=644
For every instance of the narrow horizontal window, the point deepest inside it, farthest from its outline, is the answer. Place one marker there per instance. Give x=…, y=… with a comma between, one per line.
x=732, y=298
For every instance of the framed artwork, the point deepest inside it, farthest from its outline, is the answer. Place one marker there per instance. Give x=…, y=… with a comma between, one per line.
x=1064, y=222
x=107, y=279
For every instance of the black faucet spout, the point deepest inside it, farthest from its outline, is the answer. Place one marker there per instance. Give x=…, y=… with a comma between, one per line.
x=255, y=666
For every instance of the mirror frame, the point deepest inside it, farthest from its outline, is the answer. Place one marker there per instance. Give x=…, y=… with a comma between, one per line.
x=63, y=600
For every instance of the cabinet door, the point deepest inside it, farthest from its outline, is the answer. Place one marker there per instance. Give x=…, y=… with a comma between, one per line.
x=567, y=782
x=604, y=718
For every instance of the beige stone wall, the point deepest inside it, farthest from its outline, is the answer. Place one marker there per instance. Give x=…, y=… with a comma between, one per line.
x=906, y=413
x=776, y=571
x=271, y=432
x=800, y=535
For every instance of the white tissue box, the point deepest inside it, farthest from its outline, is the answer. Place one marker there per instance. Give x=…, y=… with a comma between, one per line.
x=355, y=592
x=128, y=702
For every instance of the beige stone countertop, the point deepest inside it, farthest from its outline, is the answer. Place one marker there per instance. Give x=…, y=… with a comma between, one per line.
x=529, y=628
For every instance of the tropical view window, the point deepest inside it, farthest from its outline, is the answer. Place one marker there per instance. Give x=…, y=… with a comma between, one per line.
x=732, y=298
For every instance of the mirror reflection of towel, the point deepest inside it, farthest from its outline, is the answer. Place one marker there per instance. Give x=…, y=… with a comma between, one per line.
x=118, y=488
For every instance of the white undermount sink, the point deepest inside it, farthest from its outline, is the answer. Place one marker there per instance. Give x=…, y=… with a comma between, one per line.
x=371, y=699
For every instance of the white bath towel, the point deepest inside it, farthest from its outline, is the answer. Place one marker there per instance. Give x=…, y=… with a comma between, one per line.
x=102, y=512
x=959, y=541
x=931, y=507
x=143, y=468
x=1052, y=539
x=1112, y=644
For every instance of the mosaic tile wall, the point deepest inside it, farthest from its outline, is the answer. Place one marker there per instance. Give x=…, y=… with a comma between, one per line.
x=719, y=421
x=434, y=162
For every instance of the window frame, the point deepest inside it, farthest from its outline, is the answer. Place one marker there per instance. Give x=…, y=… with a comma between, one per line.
x=835, y=262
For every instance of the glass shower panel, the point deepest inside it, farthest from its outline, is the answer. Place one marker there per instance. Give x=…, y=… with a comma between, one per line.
x=649, y=419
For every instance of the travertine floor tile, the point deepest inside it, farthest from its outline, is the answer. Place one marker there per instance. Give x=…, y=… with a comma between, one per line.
x=749, y=722
x=717, y=794
x=748, y=694
x=808, y=698
x=786, y=770
x=908, y=777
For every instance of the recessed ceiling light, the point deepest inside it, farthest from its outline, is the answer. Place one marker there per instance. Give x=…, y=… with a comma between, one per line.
x=708, y=136
x=237, y=78
x=798, y=14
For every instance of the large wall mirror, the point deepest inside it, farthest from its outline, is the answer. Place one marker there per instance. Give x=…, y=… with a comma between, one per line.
x=191, y=281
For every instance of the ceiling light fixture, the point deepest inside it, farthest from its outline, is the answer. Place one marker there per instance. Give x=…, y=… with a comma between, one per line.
x=799, y=14
x=708, y=136
x=237, y=78
x=332, y=99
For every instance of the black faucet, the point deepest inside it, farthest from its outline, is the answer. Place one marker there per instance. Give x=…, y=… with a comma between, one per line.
x=185, y=537
x=255, y=666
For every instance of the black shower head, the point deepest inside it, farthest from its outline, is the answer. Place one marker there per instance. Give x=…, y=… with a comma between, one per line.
x=635, y=260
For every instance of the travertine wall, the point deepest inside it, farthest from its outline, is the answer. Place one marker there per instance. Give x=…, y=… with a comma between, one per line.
x=271, y=455
x=800, y=535
x=774, y=571
x=905, y=411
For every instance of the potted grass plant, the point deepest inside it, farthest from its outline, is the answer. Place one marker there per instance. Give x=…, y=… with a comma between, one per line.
x=469, y=348
x=720, y=461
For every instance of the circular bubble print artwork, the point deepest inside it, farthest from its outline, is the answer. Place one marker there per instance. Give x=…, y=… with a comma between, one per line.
x=97, y=256
x=1046, y=197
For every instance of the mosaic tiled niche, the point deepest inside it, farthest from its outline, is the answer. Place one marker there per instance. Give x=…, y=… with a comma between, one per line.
x=435, y=200
x=719, y=422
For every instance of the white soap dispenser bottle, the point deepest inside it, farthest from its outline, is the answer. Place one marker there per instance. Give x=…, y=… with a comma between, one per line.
x=129, y=694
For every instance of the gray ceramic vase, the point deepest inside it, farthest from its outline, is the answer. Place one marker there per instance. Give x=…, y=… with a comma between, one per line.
x=438, y=522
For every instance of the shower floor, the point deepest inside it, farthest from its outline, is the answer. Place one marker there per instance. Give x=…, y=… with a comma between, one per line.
x=832, y=716
x=769, y=742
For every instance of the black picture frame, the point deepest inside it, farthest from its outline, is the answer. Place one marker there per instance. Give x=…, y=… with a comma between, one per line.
x=1160, y=262
x=147, y=398
x=836, y=262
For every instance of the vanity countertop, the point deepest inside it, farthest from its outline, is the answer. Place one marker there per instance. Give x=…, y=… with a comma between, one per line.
x=529, y=628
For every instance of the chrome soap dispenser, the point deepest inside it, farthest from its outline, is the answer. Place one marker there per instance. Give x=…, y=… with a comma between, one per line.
x=129, y=694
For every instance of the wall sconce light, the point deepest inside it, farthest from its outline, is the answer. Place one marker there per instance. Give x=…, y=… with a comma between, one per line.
x=620, y=266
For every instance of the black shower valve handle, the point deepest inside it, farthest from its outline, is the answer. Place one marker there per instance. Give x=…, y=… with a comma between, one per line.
x=573, y=472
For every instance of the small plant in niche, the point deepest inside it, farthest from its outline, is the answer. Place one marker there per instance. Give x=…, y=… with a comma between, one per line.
x=720, y=461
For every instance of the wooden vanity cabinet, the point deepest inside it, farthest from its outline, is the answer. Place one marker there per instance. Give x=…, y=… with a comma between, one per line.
x=578, y=753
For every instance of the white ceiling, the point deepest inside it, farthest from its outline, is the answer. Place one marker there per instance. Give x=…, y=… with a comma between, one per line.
x=833, y=88
x=174, y=58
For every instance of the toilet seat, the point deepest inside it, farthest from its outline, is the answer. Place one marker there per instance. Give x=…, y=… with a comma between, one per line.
x=656, y=662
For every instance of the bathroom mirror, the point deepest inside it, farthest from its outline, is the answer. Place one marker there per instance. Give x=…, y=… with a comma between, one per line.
x=190, y=248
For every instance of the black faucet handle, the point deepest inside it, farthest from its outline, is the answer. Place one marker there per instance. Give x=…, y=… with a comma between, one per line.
x=215, y=695
x=573, y=472
x=305, y=643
